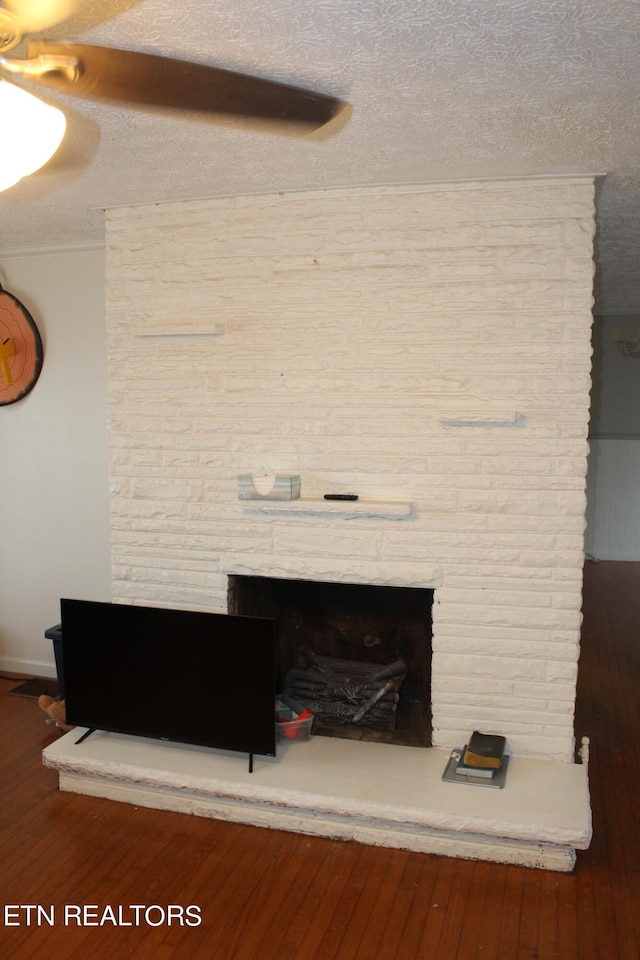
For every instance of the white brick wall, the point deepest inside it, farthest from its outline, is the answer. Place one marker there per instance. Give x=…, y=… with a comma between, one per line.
x=427, y=343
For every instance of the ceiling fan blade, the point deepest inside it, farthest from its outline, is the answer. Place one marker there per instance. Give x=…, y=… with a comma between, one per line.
x=32, y=16
x=153, y=81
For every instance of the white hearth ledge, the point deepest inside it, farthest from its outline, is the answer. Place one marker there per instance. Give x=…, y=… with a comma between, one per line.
x=372, y=793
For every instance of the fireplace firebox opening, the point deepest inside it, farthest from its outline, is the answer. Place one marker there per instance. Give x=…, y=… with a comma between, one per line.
x=321, y=624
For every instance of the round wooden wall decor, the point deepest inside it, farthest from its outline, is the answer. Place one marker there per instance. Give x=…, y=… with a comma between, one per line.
x=20, y=350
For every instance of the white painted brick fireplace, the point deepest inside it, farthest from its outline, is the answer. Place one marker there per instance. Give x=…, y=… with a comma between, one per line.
x=427, y=344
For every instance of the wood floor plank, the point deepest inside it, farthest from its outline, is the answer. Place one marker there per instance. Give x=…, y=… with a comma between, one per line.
x=552, y=907
x=529, y=933
x=266, y=905
x=293, y=917
x=566, y=917
x=374, y=874
x=455, y=934
x=474, y=909
x=322, y=936
x=341, y=917
x=403, y=905
x=509, y=938
x=438, y=906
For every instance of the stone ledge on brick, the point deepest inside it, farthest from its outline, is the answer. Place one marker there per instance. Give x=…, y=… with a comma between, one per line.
x=345, y=509
x=425, y=575
x=484, y=419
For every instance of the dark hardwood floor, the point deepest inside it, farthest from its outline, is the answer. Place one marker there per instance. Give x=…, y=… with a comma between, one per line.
x=268, y=894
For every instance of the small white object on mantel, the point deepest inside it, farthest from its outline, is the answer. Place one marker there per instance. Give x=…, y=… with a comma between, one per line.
x=269, y=486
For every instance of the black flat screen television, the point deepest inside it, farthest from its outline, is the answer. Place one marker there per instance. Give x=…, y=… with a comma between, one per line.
x=200, y=678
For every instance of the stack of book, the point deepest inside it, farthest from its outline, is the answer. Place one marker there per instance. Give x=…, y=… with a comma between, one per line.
x=483, y=756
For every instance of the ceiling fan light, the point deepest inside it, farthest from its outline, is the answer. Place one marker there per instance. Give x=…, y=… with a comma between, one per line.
x=33, y=16
x=31, y=133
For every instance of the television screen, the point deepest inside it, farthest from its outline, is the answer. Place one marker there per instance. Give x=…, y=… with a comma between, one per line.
x=201, y=678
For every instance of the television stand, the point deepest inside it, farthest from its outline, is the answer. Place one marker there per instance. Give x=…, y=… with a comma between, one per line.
x=85, y=735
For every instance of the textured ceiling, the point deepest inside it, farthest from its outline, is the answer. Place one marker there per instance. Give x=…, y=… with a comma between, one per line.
x=441, y=90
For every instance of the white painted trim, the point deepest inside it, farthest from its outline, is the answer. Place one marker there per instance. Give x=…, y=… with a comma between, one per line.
x=70, y=249
x=27, y=668
x=325, y=788
x=375, y=189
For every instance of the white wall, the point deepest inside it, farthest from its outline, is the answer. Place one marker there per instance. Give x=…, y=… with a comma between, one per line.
x=53, y=469
x=613, y=484
x=615, y=408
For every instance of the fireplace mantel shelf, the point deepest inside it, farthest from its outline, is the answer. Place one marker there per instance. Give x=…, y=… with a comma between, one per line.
x=347, y=509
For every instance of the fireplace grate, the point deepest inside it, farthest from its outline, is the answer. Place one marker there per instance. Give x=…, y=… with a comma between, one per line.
x=346, y=691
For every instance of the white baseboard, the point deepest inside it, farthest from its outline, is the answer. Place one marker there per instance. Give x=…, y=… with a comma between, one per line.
x=28, y=668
